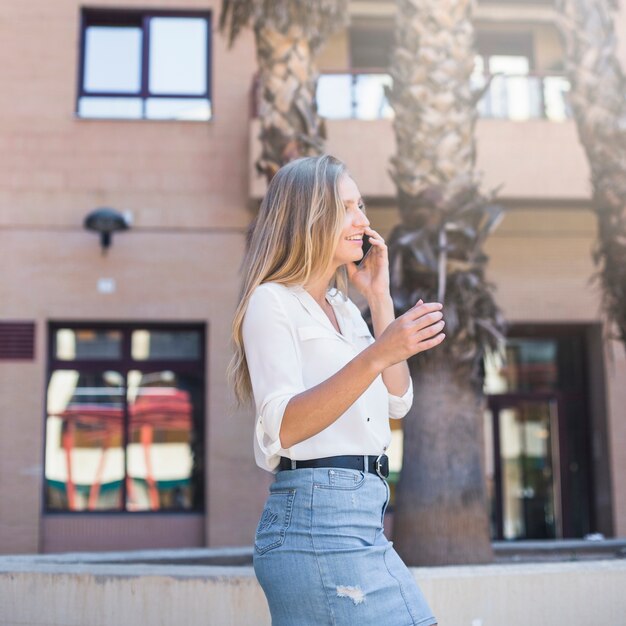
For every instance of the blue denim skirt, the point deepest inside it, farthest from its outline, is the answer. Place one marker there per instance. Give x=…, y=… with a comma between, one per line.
x=322, y=558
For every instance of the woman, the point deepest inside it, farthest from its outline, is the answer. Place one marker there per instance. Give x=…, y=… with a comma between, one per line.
x=324, y=390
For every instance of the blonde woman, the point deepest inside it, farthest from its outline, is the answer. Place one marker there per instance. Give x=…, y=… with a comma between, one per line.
x=324, y=391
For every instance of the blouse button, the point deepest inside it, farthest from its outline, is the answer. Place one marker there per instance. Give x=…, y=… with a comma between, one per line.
x=368, y=419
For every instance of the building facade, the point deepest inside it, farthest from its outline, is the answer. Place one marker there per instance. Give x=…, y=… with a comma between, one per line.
x=117, y=426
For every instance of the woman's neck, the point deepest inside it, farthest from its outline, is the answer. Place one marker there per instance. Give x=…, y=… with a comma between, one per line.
x=317, y=288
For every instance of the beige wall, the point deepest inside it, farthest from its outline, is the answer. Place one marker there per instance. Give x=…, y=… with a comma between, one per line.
x=186, y=187
x=54, y=168
x=532, y=160
x=159, y=276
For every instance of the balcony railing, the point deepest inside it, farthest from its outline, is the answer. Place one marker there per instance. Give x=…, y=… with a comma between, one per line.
x=515, y=97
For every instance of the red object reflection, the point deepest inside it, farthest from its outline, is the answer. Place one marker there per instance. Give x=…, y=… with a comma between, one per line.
x=163, y=409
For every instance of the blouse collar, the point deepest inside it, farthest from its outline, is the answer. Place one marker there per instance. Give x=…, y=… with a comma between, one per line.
x=315, y=310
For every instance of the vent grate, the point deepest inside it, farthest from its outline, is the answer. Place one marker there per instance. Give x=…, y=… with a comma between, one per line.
x=17, y=340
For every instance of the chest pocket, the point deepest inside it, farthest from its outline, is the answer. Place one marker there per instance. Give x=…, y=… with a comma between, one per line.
x=305, y=333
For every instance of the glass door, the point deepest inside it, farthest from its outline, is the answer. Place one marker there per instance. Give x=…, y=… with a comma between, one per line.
x=525, y=489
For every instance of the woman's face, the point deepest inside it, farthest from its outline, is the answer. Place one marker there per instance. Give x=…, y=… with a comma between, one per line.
x=350, y=245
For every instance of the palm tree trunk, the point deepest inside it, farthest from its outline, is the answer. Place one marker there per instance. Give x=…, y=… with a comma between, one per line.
x=290, y=125
x=289, y=34
x=436, y=252
x=597, y=98
x=441, y=508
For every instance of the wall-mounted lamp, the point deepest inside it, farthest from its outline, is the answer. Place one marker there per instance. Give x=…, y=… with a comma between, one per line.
x=105, y=221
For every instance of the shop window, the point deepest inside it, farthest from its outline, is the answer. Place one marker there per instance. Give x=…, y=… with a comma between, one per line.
x=145, y=65
x=125, y=418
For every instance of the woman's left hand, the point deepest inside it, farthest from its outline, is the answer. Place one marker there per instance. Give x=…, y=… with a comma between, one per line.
x=371, y=276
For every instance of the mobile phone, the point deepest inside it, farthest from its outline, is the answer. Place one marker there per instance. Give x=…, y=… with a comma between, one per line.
x=367, y=246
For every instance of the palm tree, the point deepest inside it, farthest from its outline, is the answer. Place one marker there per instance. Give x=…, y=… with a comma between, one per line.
x=436, y=253
x=597, y=98
x=288, y=33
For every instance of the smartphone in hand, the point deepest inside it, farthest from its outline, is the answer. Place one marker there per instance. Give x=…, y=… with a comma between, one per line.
x=367, y=246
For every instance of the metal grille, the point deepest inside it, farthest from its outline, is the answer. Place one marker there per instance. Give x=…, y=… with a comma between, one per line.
x=17, y=340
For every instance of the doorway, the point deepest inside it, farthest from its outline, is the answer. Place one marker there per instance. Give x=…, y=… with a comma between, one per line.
x=527, y=488
x=537, y=430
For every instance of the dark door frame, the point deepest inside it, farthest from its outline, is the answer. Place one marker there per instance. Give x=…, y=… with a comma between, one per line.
x=497, y=402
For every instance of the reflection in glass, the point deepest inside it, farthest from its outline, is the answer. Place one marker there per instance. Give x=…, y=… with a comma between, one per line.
x=196, y=109
x=555, y=90
x=160, y=453
x=370, y=99
x=531, y=365
x=395, y=453
x=112, y=59
x=178, y=55
x=528, y=494
x=357, y=96
x=490, y=471
x=84, y=466
x=114, y=108
x=71, y=344
x=334, y=96
x=150, y=345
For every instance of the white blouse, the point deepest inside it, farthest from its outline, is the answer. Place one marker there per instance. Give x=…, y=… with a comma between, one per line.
x=291, y=346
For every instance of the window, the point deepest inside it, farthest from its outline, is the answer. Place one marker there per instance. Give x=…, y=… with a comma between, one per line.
x=371, y=45
x=518, y=91
x=144, y=65
x=125, y=418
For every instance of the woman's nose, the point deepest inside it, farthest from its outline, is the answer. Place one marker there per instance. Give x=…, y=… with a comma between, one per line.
x=362, y=220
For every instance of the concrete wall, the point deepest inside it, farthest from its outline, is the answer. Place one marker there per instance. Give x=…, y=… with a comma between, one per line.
x=188, y=188
x=559, y=594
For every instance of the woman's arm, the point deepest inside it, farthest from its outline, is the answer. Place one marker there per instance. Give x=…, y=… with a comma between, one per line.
x=396, y=377
x=313, y=410
x=371, y=279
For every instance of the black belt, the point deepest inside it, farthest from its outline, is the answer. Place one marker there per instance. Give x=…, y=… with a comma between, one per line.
x=375, y=464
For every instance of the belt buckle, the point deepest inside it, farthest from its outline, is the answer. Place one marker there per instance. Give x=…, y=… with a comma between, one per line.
x=381, y=465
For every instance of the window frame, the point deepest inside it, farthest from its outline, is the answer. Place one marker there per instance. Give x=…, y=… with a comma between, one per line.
x=90, y=16
x=123, y=365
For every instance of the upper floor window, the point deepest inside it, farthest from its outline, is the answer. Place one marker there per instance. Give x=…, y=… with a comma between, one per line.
x=125, y=418
x=524, y=67
x=145, y=65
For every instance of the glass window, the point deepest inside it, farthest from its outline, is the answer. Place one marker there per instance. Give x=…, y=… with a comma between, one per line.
x=145, y=65
x=370, y=98
x=123, y=437
x=165, y=344
x=163, y=441
x=334, y=96
x=112, y=59
x=114, y=108
x=358, y=96
x=84, y=467
x=371, y=44
x=178, y=56
x=178, y=109
x=72, y=344
x=531, y=365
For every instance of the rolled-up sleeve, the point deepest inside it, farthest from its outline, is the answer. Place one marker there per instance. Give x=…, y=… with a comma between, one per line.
x=399, y=406
x=274, y=364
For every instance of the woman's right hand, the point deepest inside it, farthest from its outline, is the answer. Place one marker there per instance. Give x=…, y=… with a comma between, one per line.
x=415, y=331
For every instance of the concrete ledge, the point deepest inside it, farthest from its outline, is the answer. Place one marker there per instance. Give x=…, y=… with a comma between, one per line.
x=145, y=588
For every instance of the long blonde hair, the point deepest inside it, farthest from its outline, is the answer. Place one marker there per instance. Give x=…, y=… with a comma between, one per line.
x=293, y=238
